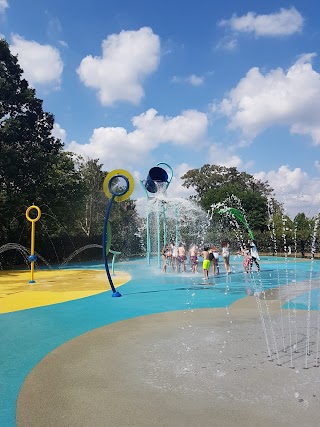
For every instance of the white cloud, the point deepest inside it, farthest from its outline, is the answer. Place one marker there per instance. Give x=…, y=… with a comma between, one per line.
x=127, y=58
x=63, y=43
x=283, y=23
x=289, y=98
x=184, y=129
x=195, y=80
x=115, y=147
x=59, y=133
x=227, y=43
x=317, y=165
x=42, y=64
x=295, y=189
x=175, y=188
x=192, y=79
x=3, y=5
x=220, y=154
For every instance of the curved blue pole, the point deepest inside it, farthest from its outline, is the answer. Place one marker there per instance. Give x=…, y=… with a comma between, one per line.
x=171, y=170
x=104, y=247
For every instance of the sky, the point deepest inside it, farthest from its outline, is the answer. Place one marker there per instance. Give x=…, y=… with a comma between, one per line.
x=135, y=83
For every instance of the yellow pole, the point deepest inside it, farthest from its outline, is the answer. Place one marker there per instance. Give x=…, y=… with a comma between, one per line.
x=32, y=257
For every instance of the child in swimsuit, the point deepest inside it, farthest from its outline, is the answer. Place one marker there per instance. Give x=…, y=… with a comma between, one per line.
x=226, y=256
x=194, y=258
x=206, y=263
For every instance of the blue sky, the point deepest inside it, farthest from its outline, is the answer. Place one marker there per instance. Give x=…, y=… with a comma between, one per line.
x=186, y=83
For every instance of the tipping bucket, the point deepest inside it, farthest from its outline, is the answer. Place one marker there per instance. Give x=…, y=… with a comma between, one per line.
x=156, y=174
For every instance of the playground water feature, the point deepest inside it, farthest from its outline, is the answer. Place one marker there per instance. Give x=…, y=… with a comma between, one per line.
x=171, y=217
x=291, y=339
x=175, y=220
x=281, y=280
x=177, y=215
x=150, y=292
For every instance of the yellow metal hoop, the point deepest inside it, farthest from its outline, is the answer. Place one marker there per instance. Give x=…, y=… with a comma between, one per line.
x=38, y=215
x=112, y=174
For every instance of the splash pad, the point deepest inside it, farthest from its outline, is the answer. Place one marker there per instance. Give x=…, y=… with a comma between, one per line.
x=52, y=287
x=204, y=358
x=183, y=353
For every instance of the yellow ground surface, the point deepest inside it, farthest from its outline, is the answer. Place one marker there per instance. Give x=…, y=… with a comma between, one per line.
x=52, y=287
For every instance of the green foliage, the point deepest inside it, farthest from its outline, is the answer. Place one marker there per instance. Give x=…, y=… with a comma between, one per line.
x=123, y=215
x=93, y=207
x=220, y=177
x=214, y=184
x=34, y=169
x=125, y=222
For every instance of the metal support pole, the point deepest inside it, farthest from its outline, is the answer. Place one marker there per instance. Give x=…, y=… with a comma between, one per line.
x=158, y=234
x=142, y=182
x=177, y=227
x=164, y=226
x=32, y=258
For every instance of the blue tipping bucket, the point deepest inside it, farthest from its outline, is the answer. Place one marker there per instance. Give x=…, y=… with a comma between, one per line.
x=156, y=174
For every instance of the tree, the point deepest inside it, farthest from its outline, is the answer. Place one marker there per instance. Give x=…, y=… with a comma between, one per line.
x=93, y=209
x=125, y=223
x=304, y=227
x=33, y=166
x=214, y=184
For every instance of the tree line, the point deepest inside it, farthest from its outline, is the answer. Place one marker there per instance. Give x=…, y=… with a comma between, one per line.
x=274, y=231
x=36, y=169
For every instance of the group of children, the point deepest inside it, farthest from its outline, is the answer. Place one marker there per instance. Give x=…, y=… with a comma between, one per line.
x=250, y=256
x=211, y=255
x=175, y=256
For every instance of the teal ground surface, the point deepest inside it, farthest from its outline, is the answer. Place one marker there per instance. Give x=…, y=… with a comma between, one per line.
x=27, y=336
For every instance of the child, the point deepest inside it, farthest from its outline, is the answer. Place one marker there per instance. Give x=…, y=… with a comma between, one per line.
x=246, y=260
x=254, y=255
x=215, y=260
x=226, y=256
x=164, y=256
x=194, y=258
x=206, y=263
